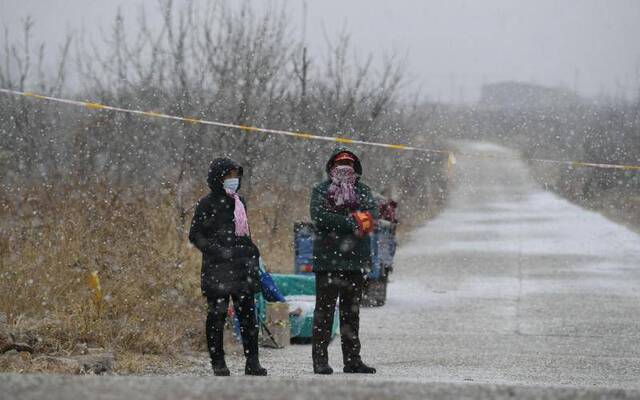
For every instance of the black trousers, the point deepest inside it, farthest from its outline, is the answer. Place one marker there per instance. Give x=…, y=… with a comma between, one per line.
x=348, y=287
x=245, y=310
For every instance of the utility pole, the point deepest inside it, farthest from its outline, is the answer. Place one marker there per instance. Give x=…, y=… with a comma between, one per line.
x=302, y=70
x=305, y=61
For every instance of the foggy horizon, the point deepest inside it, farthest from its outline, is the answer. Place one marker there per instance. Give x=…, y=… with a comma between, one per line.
x=451, y=48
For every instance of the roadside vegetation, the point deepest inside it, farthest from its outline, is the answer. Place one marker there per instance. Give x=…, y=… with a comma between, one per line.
x=95, y=206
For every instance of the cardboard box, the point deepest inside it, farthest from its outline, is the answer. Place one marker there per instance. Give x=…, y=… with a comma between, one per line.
x=276, y=331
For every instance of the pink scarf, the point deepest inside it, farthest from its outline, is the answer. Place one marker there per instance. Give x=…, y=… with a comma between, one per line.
x=239, y=215
x=341, y=193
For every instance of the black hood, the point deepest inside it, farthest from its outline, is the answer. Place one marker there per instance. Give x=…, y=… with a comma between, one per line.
x=357, y=166
x=218, y=169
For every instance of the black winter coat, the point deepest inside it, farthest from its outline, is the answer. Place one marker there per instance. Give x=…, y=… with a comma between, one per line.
x=229, y=262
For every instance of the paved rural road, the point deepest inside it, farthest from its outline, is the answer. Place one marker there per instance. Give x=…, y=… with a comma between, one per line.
x=511, y=291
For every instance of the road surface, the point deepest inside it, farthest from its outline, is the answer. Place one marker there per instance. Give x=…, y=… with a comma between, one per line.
x=511, y=290
x=511, y=284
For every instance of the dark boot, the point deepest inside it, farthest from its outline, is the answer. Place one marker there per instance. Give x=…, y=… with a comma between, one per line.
x=253, y=367
x=215, y=325
x=220, y=368
x=322, y=369
x=320, y=360
x=358, y=368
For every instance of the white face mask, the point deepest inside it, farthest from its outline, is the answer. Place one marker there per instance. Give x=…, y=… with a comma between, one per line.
x=231, y=184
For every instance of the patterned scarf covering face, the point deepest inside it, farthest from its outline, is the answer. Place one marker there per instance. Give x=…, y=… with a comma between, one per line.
x=239, y=215
x=342, y=193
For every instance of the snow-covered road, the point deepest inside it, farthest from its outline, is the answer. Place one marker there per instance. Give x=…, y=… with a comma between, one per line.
x=511, y=284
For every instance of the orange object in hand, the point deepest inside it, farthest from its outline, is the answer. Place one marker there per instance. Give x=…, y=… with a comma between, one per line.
x=364, y=219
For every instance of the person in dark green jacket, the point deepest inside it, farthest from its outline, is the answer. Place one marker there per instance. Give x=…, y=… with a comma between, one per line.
x=343, y=212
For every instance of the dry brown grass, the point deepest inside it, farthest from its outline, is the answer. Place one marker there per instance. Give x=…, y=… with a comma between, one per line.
x=272, y=212
x=26, y=363
x=149, y=276
x=53, y=239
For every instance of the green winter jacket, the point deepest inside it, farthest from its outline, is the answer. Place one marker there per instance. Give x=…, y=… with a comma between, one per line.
x=336, y=247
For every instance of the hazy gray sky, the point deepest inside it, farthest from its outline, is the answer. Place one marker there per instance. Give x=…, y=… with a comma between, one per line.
x=452, y=46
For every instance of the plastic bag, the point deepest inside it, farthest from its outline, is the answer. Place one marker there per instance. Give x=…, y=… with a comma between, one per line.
x=269, y=289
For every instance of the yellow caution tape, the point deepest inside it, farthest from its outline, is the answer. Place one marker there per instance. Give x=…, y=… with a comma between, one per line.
x=152, y=114
x=248, y=128
x=451, y=160
x=94, y=106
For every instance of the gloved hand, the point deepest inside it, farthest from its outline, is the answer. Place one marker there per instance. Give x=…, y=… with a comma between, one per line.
x=364, y=220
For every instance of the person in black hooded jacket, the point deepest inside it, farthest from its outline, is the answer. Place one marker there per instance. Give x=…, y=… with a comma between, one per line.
x=220, y=230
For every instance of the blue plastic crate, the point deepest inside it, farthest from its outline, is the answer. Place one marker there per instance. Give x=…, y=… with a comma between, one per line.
x=303, y=234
